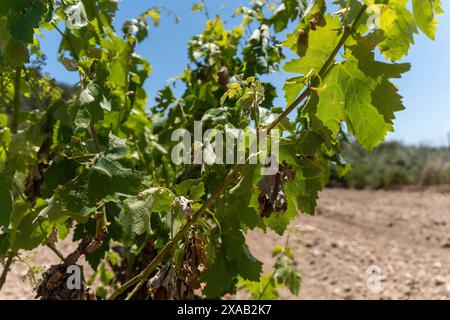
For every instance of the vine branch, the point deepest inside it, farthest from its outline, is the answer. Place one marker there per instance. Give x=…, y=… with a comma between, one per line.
x=5, y=271
x=16, y=101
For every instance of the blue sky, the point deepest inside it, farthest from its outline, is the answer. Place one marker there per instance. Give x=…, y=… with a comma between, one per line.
x=426, y=87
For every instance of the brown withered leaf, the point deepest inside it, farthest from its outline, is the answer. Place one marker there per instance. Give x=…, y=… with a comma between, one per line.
x=193, y=267
x=53, y=237
x=161, y=285
x=272, y=197
x=54, y=285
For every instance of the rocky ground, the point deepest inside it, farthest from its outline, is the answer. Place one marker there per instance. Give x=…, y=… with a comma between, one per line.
x=404, y=236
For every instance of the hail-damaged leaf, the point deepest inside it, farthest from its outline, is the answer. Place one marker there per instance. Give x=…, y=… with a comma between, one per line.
x=82, y=118
x=53, y=237
x=192, y=268
x=89, y=94
x=117, y=148
x=185, y=206
x=69, y=64
x=105, y=104
x=76, y=16
x=272, y=197
x=139, y=209
x=162, y=285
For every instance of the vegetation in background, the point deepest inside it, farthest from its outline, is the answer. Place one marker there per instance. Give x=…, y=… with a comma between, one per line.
x=393, y=165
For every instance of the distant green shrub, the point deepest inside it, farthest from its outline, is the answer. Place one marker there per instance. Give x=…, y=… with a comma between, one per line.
x=393, y=165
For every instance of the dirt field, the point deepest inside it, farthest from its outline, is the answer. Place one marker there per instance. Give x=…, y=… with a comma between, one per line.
x=404, y=235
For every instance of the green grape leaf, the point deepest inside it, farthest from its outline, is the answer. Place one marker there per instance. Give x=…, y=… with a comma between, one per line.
x=399, y=28
x=348, y=96
x=16, y=54
x=292, y=88
x=192, y=189
x=365, y=120
x=119, y=65
x=425, y=12
x=21, y=24
x=265, y=289
x=331, y=105
x=197, y=6
x=386, y=99
x=238, y=255
x=70, y=200
x=289, y=277
x=108, y=176
x=82, y=118
x=239, y=199
x=322, y=42
x=385, y=96
x=59, y=172
x=26, y=233
x=233, y=259
x=13, y=6
x=309, y=143
x=217, y=286
x=154, y=14
x=20, y=28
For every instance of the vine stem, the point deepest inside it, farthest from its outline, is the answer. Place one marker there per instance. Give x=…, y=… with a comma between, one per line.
x=16, y=101
x=5, y=271
x=272, y=276
x=93, y=132
x=140, y=279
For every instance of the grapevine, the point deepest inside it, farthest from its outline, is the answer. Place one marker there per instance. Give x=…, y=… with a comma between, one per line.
x=95, y=162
